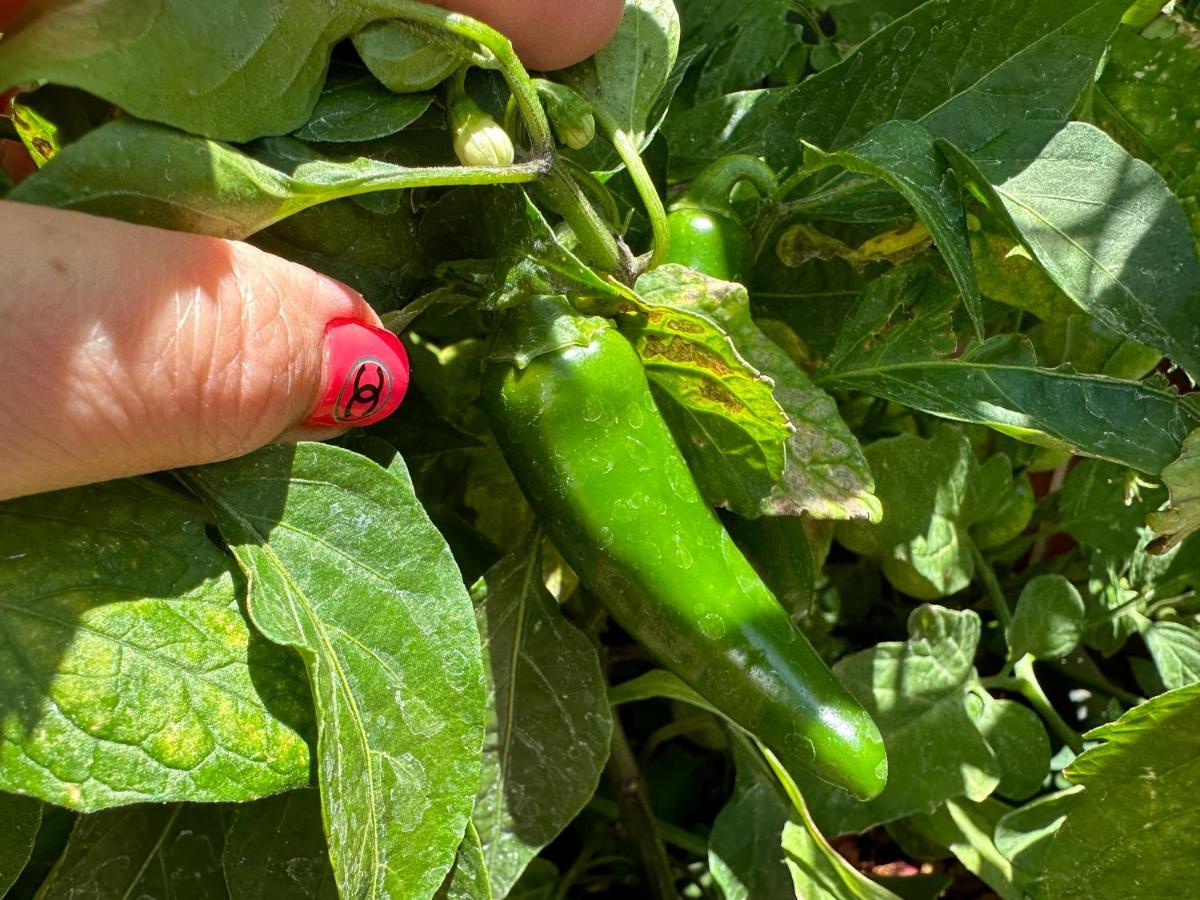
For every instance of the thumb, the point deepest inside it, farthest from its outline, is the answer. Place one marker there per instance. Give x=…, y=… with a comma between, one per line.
x=126, y=349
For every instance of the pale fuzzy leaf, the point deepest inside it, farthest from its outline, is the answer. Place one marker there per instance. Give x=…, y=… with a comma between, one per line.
x=170, y=852
x=932, y=491
x=547, y=706
x=214, y=188
x=345, y=566
x=275, y=850
x=917, y=692
x=902, y=154
x=21, y=817
x=1176, y=652
x=824, y=473
x=1132, y=830
x=1103, y=225
x=1182, y=515
x=627, y=75
x=408, y=58
x=160, y=61
x=1048, y=621
x=1016, y=733
x=128, y=672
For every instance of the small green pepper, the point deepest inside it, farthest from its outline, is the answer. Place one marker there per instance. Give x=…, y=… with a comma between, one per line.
x=572, y=411
x=704, y=231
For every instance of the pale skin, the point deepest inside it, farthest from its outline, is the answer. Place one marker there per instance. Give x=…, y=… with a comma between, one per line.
x=126, y=349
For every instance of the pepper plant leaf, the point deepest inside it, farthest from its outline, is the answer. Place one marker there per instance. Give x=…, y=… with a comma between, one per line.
x=377, y=254
x=1104, y=226
x=1102, y=508
x=353, y=106
x=469, y=878
x=741, y=42
x=1021, y=743
x=824, y=473
x=171, y=851
x=1023, y=835
x=1182, y=514
x=215, y=189
x=21, y=817
x=966, y=829
x=407, y=58
x=160, y=62
x=1175, y=648
x=275, y=850
x=346, y=568
x=817, y=869
x=898, y=343
x=123, y=635
x=1048, y=620
x=1023, y=61
x=932, y=491
x=721, y=409
x=1136, y=810
x=918, y=693
x=902, y=155
x=744, y=848
x=546, y=704
x=626, y=77
x=1145, y=98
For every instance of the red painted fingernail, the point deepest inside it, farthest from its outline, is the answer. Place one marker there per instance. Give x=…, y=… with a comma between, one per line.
x=366, y=375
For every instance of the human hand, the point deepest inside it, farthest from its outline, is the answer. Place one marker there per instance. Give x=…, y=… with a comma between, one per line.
x=126, y=349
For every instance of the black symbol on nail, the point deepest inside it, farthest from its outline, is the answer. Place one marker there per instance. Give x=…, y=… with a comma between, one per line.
x=366, y=388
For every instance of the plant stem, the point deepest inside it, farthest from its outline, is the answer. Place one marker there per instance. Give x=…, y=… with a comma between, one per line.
x=569, y=200
x=670, y=731
x=642, y=182
x=500, y=47
x=671, y=834
x=578, y=867
x=1083, y=676
x=1029, y=688
x=637, y=816
x=987, y=575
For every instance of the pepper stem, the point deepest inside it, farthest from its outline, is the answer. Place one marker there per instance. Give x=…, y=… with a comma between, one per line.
x=569, y=201
x=506, y=61
x=710, y=189
x=642, y=182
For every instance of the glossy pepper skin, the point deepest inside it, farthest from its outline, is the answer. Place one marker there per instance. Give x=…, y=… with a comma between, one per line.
x=704, y=233
x=709, y=242
x=572, y=410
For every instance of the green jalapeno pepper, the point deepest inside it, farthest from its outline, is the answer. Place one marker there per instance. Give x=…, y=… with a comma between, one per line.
x=572, y=411
x=704, y=232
